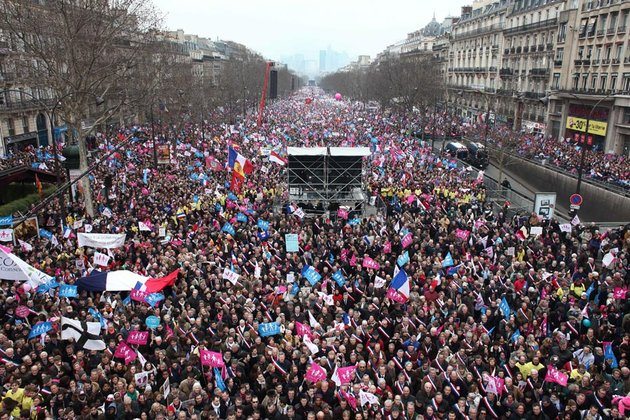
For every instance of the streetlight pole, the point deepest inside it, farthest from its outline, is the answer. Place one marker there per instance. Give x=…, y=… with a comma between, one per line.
x=155, y=162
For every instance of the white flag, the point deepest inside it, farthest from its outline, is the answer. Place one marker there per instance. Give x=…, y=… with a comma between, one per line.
x=299, y=213
x=167, y=387
x=88, y=228
x=86, y=334
x=101, y=259
x=328, y=299
x=6, y=235
x=143, y=227
x=141, y=359
x=311, y=346
x=566, y=227
x=230, y=275
x=335, y=377
x=367, y=398
x=312, y=321
x=575, y=221
x=379, y=282
x=25, y=246
x=142, y=379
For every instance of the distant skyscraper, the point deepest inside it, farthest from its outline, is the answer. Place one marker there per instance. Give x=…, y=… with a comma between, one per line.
x=322, y=61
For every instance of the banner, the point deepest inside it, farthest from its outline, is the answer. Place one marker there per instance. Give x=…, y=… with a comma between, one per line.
x=14, y=268
x=6, y=235
x=555, y=376
x=311, y=275
x=407, y=240
x=339, y=278
x=267, y=329
x=163, y=154
x=402, y=259
x=291, y=242
x=39, y=329
x=138, y=337
x=101, y=240
x=6, y=221
x=123, y=351
x=68, y=291
x=315, y=373
x=597, y=128
x=230, y=275
x=211, y=358
x=101, y=259
x=370, y=263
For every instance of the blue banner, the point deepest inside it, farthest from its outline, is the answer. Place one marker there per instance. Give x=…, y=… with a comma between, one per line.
x=448, y=261
x=610, y=355
x=219, y=380
x=43, y=288
x=152, y=322
x=263, y=236
x=339, y=278
x=504, y=306
x=403, y=259
x=263, y=224
x=241, y=218
x=228, y=228
x=39, y=329
x=68, y=291
x=354, y=221
x=232, y=197
x=6, y=221
x=268, y=328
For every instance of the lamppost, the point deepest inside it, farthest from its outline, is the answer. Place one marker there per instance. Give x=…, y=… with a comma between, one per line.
x=487, y=129
x=584, y=145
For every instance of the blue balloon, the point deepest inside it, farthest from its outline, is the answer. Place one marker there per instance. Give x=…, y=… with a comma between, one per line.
x=586, y=322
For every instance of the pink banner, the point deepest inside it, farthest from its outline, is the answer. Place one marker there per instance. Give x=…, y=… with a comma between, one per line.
x=462, y=234
x=554, y=375
x=315, y=373
x=123, y=351
x=387, y=248
x=370, y=263
x=344, y=255
x=407, y=240
x=211, y=358
x=619, y=293
x=353, y=261
x=138, y=337
x=342, y=213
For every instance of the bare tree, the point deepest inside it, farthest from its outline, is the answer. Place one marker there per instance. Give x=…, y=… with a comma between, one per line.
x=86, y=52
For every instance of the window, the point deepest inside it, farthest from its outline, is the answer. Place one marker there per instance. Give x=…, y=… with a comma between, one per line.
x=11, y=125
x=581, y=52
x=25, y=127
x=576, y=81
x=583, y=27
x=594, y=81
x=602, y=83
x=559, y=54
x=625, y=85
x=589, y=52
x=618, y=52
x=613, y=81
x=562, y=32
x=626, y=115
x=584, y=80
x=623, y=22
x=613, y=22
x=602, y=23
x=608, y=52
x=592, y=24
x=598, y=53
x=555, y=84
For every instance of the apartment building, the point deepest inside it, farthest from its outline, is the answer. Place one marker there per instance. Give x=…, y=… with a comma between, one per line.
x=591, y=75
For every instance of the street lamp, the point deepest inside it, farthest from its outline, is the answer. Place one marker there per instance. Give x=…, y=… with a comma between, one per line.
x=545, y=101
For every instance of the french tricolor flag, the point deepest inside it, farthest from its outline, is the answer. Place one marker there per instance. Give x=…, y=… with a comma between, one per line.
x=276, y=158
x=399, y=288
x=124, y=280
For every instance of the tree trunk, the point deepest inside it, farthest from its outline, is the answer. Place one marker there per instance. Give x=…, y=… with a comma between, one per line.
x=83, y=165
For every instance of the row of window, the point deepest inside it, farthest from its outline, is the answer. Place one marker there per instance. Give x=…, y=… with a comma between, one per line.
x=595, y=82
x=11, y=126
x=602, y=24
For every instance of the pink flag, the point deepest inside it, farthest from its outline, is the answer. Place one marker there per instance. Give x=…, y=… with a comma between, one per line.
x=406, y=240
x=123, y=351
x=462, y=234
x=395, y=295
x=554, y=375
x=138, y=337
x=344, y=255
x=315, y=373
x=619, y=293
x=211, y=358
x=342, y=213
x=353, y=261
x=345, y=374
x=303, y=329
x=370, y=263
x=387, y=248
x=352, y=400
x=138, y=295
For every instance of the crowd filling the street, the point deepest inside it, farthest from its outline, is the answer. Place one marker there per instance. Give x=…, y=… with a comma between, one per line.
x=182, y=297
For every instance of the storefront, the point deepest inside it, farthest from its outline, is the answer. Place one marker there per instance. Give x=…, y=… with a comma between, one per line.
x=20, y=141
x=579, y=116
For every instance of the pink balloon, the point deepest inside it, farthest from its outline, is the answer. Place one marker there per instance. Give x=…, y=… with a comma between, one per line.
x=26, y=287
x=145, y=191
x=338, y=96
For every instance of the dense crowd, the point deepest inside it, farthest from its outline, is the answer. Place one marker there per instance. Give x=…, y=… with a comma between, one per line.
x=432, y=307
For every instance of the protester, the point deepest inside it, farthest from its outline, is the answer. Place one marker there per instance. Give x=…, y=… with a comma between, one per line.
x=430, y=306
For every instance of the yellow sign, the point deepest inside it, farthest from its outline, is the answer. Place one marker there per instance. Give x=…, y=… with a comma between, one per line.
x=597, y=128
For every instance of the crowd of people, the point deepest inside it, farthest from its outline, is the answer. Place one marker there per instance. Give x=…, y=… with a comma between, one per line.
x=431, y=307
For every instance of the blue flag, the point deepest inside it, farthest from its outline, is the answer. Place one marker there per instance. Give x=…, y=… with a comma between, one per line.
x=218, y=208
x=219, y=380
x=609, y=354
x=295, y=289
x=448, y=261
x=232, y=197
x=312, y=275
x=39, y=329
x=268, y=328
x=45, y=234
x=154, y=298
x=241, y=218
x=263, y=224
x=516, y=335
x=97, y=315
x=6, y=221
x=590, y=290
x=43, y=288
x=228, y=228
x=354, y=221
x=403, y=259
x=127, y=300
x=504, y=306
x=68, y=291
x=263, y=236
x=339, y=278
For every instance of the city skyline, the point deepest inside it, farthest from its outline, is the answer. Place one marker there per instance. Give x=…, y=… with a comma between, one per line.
x=283, y=28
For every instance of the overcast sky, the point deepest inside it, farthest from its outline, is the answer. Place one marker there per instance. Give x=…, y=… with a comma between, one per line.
x=282, y=27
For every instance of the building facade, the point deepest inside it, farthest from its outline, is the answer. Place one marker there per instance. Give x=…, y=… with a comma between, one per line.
x=591, y=75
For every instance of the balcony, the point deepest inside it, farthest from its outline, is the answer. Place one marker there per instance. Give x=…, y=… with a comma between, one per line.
x=577, y=62
x=506, y=51
x=621, y=30
x=534, y=95
x=614, y=61
x=595, y=62
x=531, y=26
x=539, y=72
x=512, y=50
x=541, y=47
x=549, y=47
x=526, y=49
x=600, y=32
x=506, y=72
x=25, y=105
x=518, y=50
x=477, y=32
x=610, y=31
x=557, y=63
x=605, y=61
